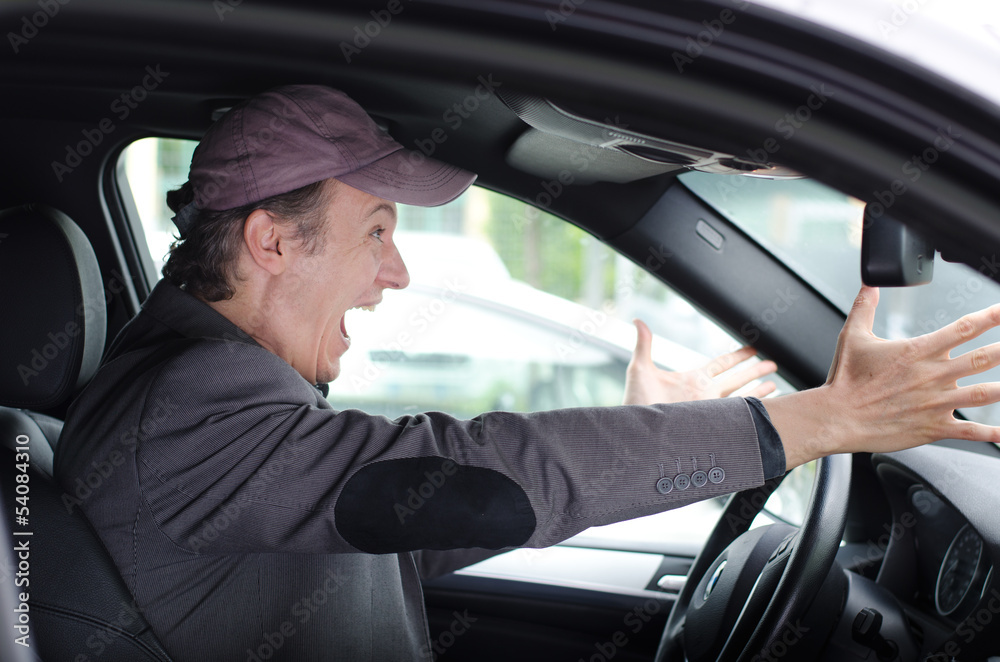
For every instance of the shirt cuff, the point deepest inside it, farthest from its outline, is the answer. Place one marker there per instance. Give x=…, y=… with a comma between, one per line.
x=772, y=453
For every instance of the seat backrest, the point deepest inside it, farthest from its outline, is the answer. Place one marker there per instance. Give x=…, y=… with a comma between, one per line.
x=51, y=292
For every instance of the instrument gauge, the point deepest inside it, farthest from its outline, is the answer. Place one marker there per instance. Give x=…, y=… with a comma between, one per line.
x=958, y=570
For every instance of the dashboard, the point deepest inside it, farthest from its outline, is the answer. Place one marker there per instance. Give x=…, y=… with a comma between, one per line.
x=938, y=556
x=942, y=546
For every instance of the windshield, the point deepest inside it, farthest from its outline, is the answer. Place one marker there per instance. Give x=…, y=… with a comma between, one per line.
x=957, y=39
x=816, y=232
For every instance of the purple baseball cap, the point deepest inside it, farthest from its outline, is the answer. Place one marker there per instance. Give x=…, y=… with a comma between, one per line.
x=292, y=136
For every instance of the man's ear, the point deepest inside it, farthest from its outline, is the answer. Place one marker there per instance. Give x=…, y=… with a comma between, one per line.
x=265, y=241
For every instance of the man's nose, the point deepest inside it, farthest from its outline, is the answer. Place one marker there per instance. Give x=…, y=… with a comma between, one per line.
x=393, y=273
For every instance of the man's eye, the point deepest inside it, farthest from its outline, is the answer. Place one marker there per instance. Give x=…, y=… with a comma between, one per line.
x=377, y=233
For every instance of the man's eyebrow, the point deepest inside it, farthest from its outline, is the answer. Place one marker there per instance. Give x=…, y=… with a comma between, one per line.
x=385, y=206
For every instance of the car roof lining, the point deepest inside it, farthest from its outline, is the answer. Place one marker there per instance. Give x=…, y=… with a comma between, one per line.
x=302, y=45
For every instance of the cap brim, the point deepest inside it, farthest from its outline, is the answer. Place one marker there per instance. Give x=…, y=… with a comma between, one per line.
x=410, y=178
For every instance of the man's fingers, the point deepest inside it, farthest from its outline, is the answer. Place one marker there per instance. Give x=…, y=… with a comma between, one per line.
x=643, y=353
x=963, y=330
x=720, y=364
x=743, y=377
x=862, y=315
x=973, y=431
x=977, y=361
x=974, y=395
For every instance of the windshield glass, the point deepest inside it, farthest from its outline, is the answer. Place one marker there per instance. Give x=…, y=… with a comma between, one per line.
x=816, y=231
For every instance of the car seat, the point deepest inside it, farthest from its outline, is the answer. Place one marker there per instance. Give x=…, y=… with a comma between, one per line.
x=51, y=340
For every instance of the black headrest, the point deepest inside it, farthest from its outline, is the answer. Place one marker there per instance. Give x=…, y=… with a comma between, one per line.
x=54, y=315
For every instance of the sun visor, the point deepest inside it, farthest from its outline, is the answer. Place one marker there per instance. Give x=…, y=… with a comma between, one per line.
x=593, y=150
x=546, y=155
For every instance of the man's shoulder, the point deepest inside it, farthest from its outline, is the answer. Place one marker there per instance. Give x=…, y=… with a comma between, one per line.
x=201, y=375
x=179, y=338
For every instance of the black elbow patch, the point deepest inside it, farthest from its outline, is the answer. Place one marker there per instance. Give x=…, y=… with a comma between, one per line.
x=432, y=503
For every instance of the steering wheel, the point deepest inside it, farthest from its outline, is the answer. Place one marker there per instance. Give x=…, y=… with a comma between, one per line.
x=755, y=585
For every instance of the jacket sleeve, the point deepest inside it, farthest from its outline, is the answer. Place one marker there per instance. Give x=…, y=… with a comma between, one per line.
x=255, y=446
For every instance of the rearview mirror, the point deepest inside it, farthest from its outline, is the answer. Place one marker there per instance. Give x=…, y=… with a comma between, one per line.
x=893, y=255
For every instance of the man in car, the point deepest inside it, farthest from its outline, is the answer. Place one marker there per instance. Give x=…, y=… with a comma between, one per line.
x=251, y=520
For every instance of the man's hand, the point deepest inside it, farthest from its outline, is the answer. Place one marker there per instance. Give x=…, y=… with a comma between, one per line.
x=884, y=395
x=647, y=384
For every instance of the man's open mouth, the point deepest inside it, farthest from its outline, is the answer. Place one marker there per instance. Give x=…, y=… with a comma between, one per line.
x=343, y=320
x=343, y=329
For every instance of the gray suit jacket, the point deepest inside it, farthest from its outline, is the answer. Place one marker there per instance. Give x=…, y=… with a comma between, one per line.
x=250, y=518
